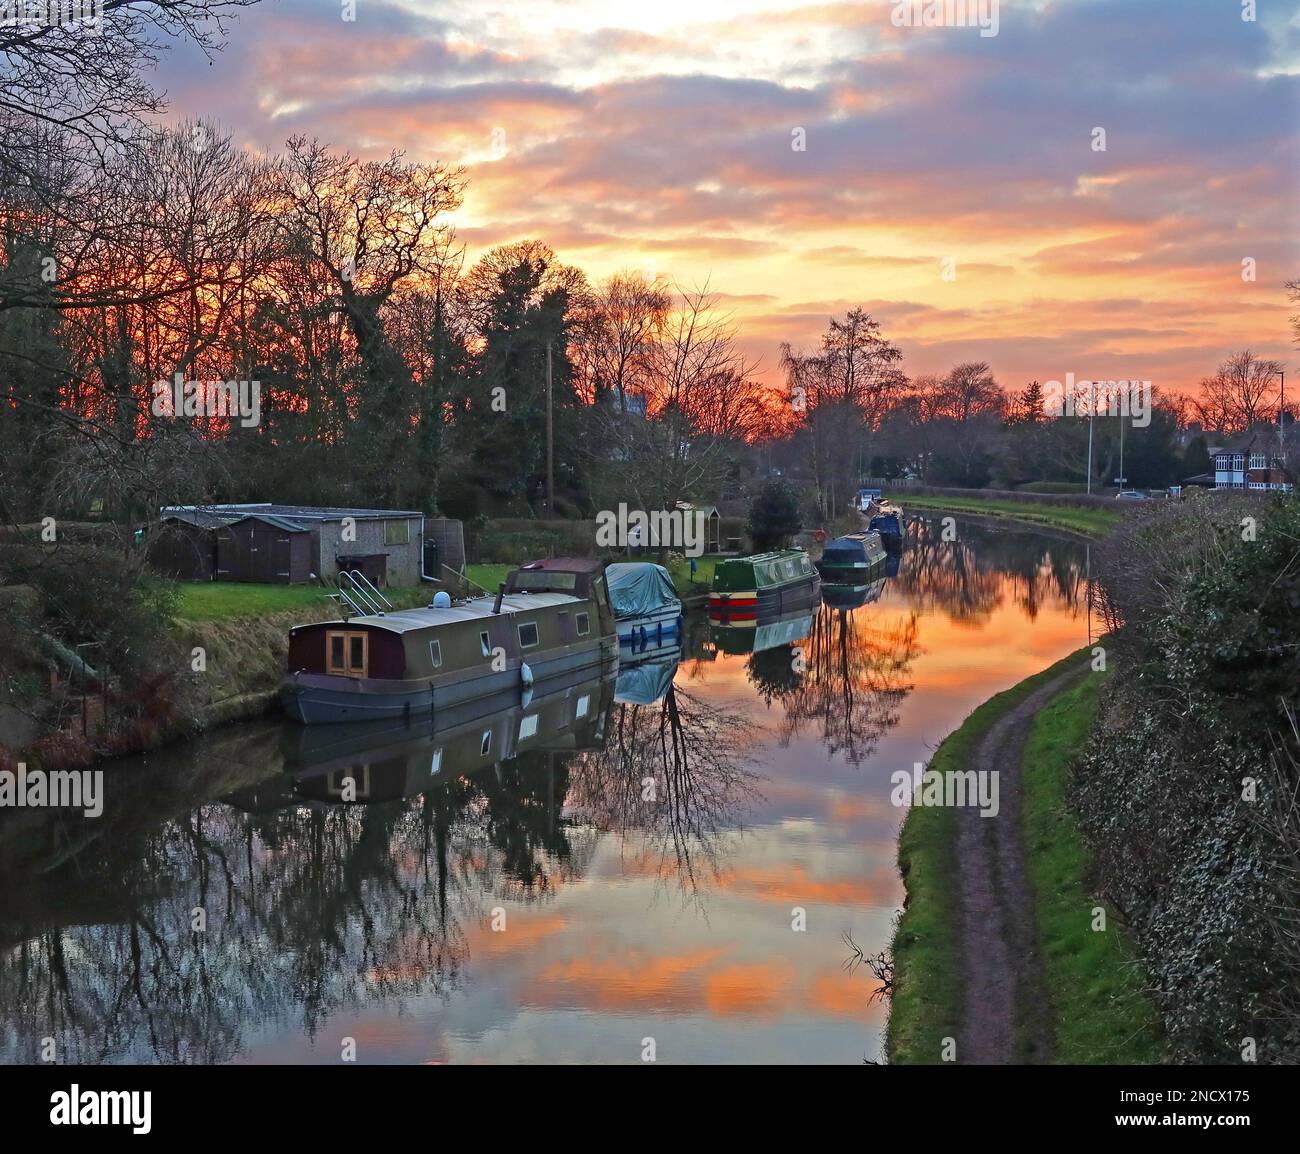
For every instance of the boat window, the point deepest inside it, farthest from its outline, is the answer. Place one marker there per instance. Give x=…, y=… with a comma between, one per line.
x=584, y=624
x=347, y=653
x=528, y=635
x=527, y=726
x=584, y=703
x=435, y=766
x=435, y=654
x=485, y=746
x=485, y=644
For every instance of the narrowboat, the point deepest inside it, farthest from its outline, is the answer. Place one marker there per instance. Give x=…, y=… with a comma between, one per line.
x=849, y=559
x=765, y=585
x=888, y=522
x=386, y=761
x=647, y=611
x=548, y=619
x=645, y=682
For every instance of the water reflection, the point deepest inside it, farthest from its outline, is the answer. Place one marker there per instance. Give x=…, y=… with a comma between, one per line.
x=354, y=873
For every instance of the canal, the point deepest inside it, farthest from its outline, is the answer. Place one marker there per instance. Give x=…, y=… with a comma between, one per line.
x=673, y=862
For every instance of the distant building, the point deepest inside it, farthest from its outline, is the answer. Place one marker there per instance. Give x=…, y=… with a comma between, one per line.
x=286, y=544
x=1250, y=461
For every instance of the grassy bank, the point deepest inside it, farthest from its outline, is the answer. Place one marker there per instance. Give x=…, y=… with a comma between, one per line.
x=1102, y=1013
x=1091, y=522
x=926, y=1005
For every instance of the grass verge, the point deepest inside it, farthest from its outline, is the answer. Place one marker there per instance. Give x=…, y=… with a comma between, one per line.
x=1092, y=522
x=226, y=600
x=1102, y=1014
x=926, y=1005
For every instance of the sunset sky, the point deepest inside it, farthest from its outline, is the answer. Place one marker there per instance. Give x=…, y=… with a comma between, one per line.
x=658, y=134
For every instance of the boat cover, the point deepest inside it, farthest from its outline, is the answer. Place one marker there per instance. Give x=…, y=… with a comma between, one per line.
x=639, y=587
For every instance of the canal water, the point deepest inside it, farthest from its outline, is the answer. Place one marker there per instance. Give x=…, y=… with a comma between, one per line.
x=677, y=862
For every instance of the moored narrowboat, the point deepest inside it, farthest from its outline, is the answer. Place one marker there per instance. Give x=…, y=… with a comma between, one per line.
x=767, y=584
x=888, y=522
x=848, y=560
x=549, y=619
x=647, y=610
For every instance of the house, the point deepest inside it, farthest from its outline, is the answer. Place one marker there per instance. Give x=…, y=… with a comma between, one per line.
x=1251, y=461
x=293, y=543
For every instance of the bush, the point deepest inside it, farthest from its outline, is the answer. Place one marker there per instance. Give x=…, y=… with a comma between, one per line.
x=1208, y=674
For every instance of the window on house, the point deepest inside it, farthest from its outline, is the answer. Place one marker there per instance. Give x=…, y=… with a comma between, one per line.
x=583, y=621
x=1257, y=461
x=435, y=654
x=397, y=532
x=528, y=635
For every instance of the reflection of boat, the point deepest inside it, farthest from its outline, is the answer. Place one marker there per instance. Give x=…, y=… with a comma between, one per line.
x=848, y=560
x=645, y=682
x=745, y=588
x=384, y=760
x=754, y=636
x=853, y=596
x=888, y=522
x=891, y=565
x=552, y=618
x=645, y=603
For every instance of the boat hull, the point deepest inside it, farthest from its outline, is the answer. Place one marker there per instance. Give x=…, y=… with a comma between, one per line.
x=751, y=604
x=324, y=699
x=646, y=629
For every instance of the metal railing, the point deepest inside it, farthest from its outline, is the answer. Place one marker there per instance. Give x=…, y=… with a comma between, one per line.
x=359, y=595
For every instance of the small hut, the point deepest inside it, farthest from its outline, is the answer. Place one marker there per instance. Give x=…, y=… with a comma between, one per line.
x=265, y=548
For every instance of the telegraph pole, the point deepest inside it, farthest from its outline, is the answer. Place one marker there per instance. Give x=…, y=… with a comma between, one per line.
x=550, y=440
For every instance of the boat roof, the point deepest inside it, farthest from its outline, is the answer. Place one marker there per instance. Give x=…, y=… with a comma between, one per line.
x=477, y=609
x=755, y=558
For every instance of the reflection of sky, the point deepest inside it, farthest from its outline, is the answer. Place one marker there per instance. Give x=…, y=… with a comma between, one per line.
x=617, y=956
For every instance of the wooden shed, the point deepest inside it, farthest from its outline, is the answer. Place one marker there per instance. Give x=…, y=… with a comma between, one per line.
x=184, y=545
x=265, y=548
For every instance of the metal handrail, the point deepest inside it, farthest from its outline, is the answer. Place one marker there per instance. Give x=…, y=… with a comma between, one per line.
x=360, y=595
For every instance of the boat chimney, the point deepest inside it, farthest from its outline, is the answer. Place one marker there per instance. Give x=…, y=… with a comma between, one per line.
x=501, y=591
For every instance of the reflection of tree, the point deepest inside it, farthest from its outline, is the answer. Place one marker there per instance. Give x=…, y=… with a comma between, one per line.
x=699, y=758
x=968, y=578
x=856, y=675
x=311, y=910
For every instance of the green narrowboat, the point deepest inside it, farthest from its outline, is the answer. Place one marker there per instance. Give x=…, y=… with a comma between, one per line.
x=762, y=586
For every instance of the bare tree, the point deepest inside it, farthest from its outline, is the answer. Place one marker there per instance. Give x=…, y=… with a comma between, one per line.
x=1235, y=397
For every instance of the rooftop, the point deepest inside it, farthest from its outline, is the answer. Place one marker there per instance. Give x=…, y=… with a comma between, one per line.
x=228, y=513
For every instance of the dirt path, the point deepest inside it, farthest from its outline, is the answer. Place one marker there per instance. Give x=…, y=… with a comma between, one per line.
x=1007, y=1016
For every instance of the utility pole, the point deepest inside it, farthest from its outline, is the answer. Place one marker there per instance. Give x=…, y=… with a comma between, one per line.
x=550, y=440
x=1092, y=412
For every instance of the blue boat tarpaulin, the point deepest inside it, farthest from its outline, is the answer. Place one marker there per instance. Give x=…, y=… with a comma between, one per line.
x=637, y=588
